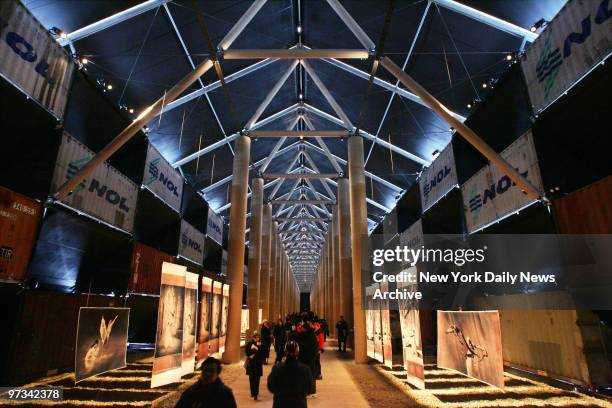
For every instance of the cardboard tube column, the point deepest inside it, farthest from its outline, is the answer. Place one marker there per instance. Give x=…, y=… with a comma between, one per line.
x=336, y=260
x=330, y=274
x=359, y=232
x=266, y=256
x=235, y=262
x=273, y=272
x=346, y=273
x=255, y=253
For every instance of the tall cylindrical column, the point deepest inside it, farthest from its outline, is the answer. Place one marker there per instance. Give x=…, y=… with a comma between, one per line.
x=346, y=273
x=274, y=273
x=272, y=285
x=237, y=230
x=336, y=268
x=255, y=253
x=359, y=231
x=266, y=259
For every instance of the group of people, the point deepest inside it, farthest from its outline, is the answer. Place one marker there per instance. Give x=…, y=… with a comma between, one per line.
x=298, y=343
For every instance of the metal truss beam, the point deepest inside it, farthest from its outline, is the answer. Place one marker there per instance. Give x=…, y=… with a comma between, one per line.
x=287, y=202
x=369, y=136
x=295, y=53
x=300, y=175
x=298, y=133
x=344, y=15
x=110, y=21
x=488, y=19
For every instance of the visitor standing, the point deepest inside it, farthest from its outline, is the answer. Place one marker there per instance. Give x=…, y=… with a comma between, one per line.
x=209, y=391
x=290, y=381
x=342, y=333
x=254, y=360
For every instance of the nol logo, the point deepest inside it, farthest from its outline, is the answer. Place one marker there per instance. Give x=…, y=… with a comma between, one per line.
x=437, y=179
x=190, y=243
x=102, y=191
x=214, y=226
x=503, y=184
x=26, y=51
x=551, y=59
x=154, y=173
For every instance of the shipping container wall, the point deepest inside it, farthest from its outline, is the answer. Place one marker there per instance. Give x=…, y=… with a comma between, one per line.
x=162, y=180
x=409, y=208
x=156, y=224
x=143, y=318
x=146, y=269
x=572, y=137
x=74, y=252
x=106, y=194
x=563, y=344
x=45, y=334
x=569, y=46
x=194, y=208
x=94, y=120
x=586, y=211
x=19, y=220
x=32, y=60
x=29, y=144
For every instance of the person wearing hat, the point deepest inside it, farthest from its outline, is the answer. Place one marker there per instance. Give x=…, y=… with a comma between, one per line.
x=254, y=363
x=290, y=381
x=209, y=390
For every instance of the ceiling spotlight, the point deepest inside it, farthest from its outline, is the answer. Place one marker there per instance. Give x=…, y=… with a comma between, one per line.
x=509, y=57
x=451, y=129
x=84, y=60
x=299, y=29
x=58, y=33
x=131, y=110
x=469, y=106
x=301, y=96
x=484, y=85
x=537, y=25
x=435, y=153
x=109, y=86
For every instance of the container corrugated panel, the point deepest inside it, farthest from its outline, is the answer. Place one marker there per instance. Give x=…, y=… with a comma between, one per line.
x=106, y=194
x=490, y=194
x=438, y=178
x=45, y=333
x=578, y=38
x=163, y=180
x=586, y=211
x=32, y=60
x=545, y=341
x=19, y=220
x=146, y=269
x=191, y=243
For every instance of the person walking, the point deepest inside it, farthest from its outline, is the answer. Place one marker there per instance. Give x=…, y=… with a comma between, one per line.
x=342, y=333
x=309, y=347
x=321, y=348
x=209, y=390
x=290, y=380
x=254, y=360
x=266, y=339
x=279, y=340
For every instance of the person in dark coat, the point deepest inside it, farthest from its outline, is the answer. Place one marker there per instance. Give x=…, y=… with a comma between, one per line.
x=266, y=339
x=255, y=355
x=342, y=333
x=209, y=391
x=309, y=348
x=290, y=380
x=279, y=340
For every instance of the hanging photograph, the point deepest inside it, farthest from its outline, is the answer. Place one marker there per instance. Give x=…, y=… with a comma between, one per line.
x=190, y=322
x=167, y=361
x=412, y=344
x=101, y=343
x=470, y=342
x=217, y=300
x=223, y=323
x=205, y=319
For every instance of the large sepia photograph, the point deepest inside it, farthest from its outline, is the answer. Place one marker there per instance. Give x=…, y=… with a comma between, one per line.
x=470, y=342
x=189, y=322
x=167, y=360
x=101, y=343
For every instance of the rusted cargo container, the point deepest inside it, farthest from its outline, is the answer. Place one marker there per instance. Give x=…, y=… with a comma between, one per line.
x=45, y=334
x=19, y=220
x=146, y=269
x=586, y=211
